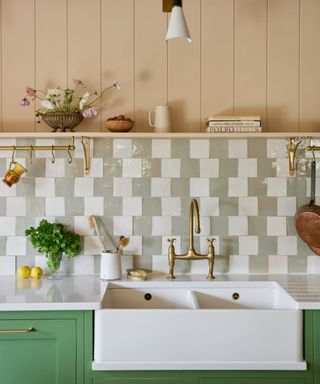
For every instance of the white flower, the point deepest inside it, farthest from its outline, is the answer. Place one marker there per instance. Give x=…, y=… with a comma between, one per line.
x=83, y=99
x=116, y=85
x=47, y=104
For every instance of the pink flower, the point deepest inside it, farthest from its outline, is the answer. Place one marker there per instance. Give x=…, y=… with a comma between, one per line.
x=24, y=102
x=90, y=112
x=31, y=92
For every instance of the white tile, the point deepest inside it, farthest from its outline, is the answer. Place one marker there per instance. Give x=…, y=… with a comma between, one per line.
x=170, y=167
x=134, y=248
x=276, y=186
x=160, y=187
x=126, y=263
x=238, y=226
x=247, y=167
x=277, y=148
x=45, y=187
x=81, y=225
x=209, y=167
x=43, y=154
x=287, y=245
x=276, y=226
x=83, y=186
x=21, y=160
x=171, y=206
x=7, y=191
x=15, y=206
x=83, y=265
x=55, y=206
x=161, y=148
x=55, y=170
x=248, y=245
x=16, y=245
x=96, y=168
x=161, y=226
x=92, y=245
x=313, y=265
x=204, y=226
x=132, y=206
x=287, y=206
x=131, y=167
x=248, y=206
x=7, y=265
x=199, y=187
x=78, y=152
x=237, y=186
x=160, y=264
x=93, y=206
x=199, y=267
x=209, y=206
x=122, y=186
x=122, y=225
x=7, y=226
x=278, y=264
x=199, y=149
x=122, y=148
x=204, y=245
x=282, y=167
x=237, y=148
x=238, y=264
x=165, y=244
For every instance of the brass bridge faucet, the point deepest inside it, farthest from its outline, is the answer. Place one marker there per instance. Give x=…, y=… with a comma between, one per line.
x=191, y=254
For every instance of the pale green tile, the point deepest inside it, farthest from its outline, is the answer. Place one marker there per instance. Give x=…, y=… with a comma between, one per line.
x=219, y=149
x=2, y=206
x=257, y=148
x=3, y=166
x=142, y=226
x=257, y=186
x=36, y=168
x=267, y=206
x=218, y=187
x=64, y=186
x=297, y=264
x=113, y=206
x=229, y=245
x=265, y=168
x=219, y=225
x=23, y=223
x=151, y=167
x=74, y=206
x=151, y=206
x=24, y=260
x=103, y=187
x=228, y=167
x=141, y=186
x=268, y=245
x=303, y=249
x=185, y=205
x=180, y=187
x=228, y=206
x=180, y=148
x=151, y=245
x=257, y=226
x=35, y=206
x=25, y=141
x=258, y=264
x=112, y=167
x=75, y=169
x=102, y=147
x=190, y=168
x=143, y=262
x=221, y=264
x=30, y=251
x=3, y=242
x=141, y=148
x=26, y=187
x=180, y=225
x=291, y=228
x=67, y=221
x=296, y=186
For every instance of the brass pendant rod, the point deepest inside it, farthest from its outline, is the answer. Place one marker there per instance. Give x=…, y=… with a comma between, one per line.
x=37, y=147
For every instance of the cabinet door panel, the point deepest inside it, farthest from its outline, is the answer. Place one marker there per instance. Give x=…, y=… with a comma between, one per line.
x=251, y=380
x=145, y=381
x=46, y=355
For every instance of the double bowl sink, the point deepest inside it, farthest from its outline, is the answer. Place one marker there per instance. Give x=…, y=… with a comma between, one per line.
x=198, y=326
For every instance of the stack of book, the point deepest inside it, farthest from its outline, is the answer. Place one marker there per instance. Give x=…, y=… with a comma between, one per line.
x=234, y=124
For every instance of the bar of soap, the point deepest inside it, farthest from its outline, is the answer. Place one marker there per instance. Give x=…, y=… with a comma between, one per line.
x=137, y=274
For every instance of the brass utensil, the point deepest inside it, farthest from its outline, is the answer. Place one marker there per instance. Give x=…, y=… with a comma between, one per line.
x=123, y=242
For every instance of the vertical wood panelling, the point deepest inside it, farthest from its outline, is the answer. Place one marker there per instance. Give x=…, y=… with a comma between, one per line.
x=84, y=51
x=150, y=60
x=217, y=35
x=51, y=47
x=118, y=56
x=17, y=63
x=250, y=58
x=283, y=65
x=1, y=127
x=184, y=73
x=310, y=66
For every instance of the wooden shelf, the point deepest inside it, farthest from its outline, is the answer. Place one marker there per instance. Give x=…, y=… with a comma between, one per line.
x=152, y=135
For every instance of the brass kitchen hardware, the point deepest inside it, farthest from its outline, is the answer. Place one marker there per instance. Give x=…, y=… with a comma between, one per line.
x=311, y=147
x=292, y=149
x=53, y=160
x=86, y=150
x=69, y=155
x=191, y=254
x=17, y=330
x=30, y=154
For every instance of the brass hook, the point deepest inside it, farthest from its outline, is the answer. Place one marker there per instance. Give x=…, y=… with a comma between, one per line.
x=13, y=153
x=31, y=150
x=69, y=155
x=53, y=160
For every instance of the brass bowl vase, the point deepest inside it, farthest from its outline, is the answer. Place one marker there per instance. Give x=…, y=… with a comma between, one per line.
x=62, y=121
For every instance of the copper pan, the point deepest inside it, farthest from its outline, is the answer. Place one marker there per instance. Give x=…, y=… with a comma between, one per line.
x=307, y=218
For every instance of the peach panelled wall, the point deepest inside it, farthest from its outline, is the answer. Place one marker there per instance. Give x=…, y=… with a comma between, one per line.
x=247, y=57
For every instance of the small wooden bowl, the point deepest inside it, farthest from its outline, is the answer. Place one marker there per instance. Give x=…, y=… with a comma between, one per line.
x=119, y=125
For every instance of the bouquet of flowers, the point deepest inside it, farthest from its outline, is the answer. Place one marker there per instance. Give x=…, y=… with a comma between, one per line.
x=69, y=100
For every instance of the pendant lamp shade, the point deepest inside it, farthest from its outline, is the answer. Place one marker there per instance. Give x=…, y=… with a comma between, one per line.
x=177, y=25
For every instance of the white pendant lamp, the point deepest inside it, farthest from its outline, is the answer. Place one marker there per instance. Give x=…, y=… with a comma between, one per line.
x=177, y=25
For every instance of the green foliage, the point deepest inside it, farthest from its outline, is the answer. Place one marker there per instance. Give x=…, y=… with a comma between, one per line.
x=54, y=239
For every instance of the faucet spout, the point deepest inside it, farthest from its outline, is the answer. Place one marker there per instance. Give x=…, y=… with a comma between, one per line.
x=194, y=212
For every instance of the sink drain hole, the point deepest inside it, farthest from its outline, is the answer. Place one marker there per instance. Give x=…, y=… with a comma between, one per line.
x=235, y=296
x=148, y=296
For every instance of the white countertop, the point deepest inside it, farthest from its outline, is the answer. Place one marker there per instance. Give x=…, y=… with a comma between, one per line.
x=86, y=292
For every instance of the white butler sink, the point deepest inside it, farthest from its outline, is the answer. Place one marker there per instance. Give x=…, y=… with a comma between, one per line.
x=179, y=326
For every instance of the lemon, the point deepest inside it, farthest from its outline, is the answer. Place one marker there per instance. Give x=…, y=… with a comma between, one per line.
x=36, y=272
x=23, y=272
x=23, y=283
x=36, y=283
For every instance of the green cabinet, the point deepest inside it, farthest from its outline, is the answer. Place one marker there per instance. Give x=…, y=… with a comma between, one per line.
x=41, y=347
x=142, y=380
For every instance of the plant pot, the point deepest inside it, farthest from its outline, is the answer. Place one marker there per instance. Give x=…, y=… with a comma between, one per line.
x=65, y=121
x=53, y=263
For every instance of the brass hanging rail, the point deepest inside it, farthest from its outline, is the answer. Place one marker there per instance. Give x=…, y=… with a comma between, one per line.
x=70, y=147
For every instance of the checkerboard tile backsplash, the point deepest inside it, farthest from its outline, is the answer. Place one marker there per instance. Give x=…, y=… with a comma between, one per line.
x=143, y=187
